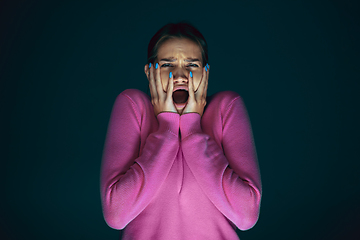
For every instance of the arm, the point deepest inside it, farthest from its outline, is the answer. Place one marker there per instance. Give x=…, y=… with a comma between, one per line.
x=230, y=176
x=129, y=181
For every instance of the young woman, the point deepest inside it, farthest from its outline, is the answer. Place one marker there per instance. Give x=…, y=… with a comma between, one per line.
x=179, y=165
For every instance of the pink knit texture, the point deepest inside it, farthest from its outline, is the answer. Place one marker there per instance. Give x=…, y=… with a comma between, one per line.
x=180, y=176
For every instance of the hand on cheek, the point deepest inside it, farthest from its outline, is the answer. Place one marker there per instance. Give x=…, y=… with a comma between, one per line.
x=162, y=101
x=197, y=100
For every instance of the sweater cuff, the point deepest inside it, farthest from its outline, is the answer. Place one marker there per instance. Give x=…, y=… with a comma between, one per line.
x=190, y=123
x=169, y=121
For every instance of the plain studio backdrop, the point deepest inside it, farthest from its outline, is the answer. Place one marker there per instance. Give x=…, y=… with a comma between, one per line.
x=295, y=63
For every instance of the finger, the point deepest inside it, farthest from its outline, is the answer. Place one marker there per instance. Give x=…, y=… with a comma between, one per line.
x=152, y=85
x=202, y=84
x=191, y=87
x=170, y=87
x=207, y=81
x=159, y=87
x=148, y=71
x=206, y=85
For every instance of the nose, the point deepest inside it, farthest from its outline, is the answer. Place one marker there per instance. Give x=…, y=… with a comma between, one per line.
x=180, y=75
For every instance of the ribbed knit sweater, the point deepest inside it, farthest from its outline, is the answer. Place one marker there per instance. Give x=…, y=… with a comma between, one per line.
x=180, y=176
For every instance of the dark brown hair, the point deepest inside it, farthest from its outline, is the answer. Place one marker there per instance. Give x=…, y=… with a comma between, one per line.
x=182, y=29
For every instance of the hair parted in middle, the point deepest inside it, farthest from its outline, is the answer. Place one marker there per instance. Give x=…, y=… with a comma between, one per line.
x=181, y=29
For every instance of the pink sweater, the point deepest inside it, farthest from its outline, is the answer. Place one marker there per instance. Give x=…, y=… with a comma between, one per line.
x=180, y=176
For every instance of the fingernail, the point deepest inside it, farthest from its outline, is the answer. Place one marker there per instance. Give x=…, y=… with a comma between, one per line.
x=207, y=65
x=156, y=66
x=149, y=65
x=205, y=68
x=170, y=74
x=190, y=74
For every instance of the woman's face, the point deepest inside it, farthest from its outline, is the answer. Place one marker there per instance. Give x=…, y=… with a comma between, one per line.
x=179, y=56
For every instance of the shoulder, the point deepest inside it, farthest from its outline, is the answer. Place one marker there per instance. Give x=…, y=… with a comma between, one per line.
x=224, y=102
x=225, y=98
x=132, y=100
x=135, y=96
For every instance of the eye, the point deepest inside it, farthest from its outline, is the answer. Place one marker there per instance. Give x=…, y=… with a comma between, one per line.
x=164, y=65
x=169, y=65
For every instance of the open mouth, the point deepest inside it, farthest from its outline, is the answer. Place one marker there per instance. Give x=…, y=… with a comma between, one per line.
x=180, y=96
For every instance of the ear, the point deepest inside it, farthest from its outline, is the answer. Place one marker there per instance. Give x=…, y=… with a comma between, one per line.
x=146, y=71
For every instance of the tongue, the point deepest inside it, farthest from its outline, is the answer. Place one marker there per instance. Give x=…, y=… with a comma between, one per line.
x=180, y=96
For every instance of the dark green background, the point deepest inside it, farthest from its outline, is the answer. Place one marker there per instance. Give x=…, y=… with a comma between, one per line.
x=295, y=63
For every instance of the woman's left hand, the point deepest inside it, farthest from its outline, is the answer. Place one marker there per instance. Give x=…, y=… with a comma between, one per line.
x=197, y=99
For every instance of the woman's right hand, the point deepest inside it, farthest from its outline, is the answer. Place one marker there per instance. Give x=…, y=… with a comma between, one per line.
x=161, y=101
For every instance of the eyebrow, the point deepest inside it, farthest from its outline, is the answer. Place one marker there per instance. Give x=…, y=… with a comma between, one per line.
x=174, y=59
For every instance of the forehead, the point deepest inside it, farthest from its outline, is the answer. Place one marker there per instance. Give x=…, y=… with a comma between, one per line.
x=179, y=47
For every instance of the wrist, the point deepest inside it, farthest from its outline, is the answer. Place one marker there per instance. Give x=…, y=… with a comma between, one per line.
x=169, y=121
x=190, y=123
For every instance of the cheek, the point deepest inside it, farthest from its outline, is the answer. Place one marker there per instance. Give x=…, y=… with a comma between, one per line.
x=164, y=79
x=197, y=79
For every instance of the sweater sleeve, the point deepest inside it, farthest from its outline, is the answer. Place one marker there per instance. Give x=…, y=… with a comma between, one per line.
x=230, y=177
x=129, y=181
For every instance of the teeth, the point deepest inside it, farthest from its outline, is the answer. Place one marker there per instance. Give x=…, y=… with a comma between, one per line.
x=180, y=88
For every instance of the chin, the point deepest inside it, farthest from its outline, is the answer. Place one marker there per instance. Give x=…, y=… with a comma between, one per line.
x=180, y=111
x=180, y=107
